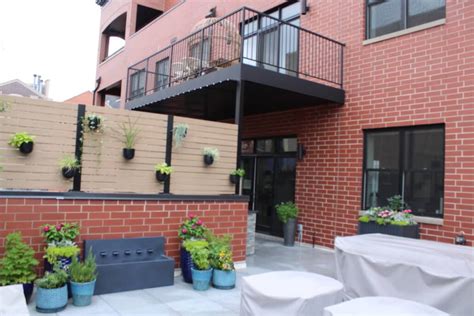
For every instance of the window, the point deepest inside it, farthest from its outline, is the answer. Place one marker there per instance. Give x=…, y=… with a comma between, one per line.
x=137, y=84
x=388, y=16
x=162, y=74
x=408, y=162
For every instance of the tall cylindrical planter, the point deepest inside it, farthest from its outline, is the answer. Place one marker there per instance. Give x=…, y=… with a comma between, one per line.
x=82, y=293
x=51, y=300
x=223, y=280
x=201, y=279
x=186, y=263
x=289, y=231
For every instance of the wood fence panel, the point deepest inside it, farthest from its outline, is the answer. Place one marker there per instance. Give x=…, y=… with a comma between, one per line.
x=105, y=169
x=191, y=175
x=54, y=125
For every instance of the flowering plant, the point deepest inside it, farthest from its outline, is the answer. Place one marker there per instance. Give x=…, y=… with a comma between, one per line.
x=61, y=234
x=220, y=252
x=192, y=228
x=396, y=213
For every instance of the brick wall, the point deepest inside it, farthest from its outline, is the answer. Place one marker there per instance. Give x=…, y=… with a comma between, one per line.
x=103, y=219
x=422, y=78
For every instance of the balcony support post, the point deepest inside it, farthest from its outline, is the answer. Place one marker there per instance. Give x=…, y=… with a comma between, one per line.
x=239, y=116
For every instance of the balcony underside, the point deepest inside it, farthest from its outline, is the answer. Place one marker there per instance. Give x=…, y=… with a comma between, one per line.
x=213, y=96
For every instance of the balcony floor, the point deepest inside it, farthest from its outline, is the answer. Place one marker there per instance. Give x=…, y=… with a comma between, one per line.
x=181, y=299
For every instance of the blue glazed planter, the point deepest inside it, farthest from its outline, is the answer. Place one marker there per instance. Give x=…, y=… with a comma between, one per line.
x=51, y=300
x=82, y=293
x=201, y=279
x=223, y=280
x=186, y=264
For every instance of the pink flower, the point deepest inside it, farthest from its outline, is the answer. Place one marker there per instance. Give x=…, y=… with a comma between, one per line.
x=46, y=229
x=184, y=230
x=199, y=222
x=58, y=227
x=407, y=211
x=191, y=216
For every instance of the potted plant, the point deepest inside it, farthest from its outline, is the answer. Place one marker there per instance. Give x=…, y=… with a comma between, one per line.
x=51, y=294
x=18, y=265
x=395, y=219
x=61, y=247
x=236, y=175
x=83, y=277
x=23, y=141
x=130, y=133
x=69, y=166
x=179, y=133
x=192, y=229
x=93, y=123
x=163, y=172
x=60, y=255
x=287, y=213
x=220, y=257
x=210, y=155
x=201, y=269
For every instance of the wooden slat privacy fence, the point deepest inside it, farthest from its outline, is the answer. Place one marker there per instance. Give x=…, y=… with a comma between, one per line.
x=103, y=167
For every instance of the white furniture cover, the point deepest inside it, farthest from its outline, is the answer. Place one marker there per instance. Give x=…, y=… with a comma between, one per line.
x=437, y=274
x=12, y=301
x=288, y=293
x=377, y=306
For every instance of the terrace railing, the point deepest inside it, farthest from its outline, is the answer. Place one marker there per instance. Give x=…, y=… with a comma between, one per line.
x=244, y=36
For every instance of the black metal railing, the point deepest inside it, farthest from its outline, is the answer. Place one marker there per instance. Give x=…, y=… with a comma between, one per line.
x=244, y=36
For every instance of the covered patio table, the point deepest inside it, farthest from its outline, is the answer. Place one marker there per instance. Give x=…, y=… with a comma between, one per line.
x=436, y=274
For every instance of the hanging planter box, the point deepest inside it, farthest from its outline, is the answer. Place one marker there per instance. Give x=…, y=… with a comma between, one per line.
x=234, y=179
x=161, y=177
x=409, y=231
x=128, y=153
x=208, y=160
x=68, y=173
x=26, y=148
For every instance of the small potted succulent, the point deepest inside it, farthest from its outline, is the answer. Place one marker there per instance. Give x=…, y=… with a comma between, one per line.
x=23, y=141
x=69, y=166
x=179, y=133
x=192, y=229
x=236, y=175
x=163, y=172
x=93, y=122
x=287, y=213
x=83, y=277
x=18, y=265
x=223, y=273
x=130, y=133
x=201, y=269
x=51, y=294
x=210, y=155
x=395, y=219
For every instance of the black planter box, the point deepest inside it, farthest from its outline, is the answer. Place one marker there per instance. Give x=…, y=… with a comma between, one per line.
x=410, y=231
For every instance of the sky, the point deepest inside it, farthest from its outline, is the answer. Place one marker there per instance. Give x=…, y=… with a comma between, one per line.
x=57, y=39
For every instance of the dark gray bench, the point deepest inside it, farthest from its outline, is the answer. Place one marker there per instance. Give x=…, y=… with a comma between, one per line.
x=130, y=264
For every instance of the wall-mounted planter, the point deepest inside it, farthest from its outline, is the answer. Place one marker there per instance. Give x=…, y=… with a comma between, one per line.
x=68, y=173
x=26, y=148
x=128, y=153
x=93, y=122
x=234, y=179
x=208, y=160
x=161, y=177
x=409, y=231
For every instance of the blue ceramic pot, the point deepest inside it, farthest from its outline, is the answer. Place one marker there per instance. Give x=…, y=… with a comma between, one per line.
x=186, y=263
x=82, y=293
x=51, y=300
x=223, y=280
x=201, y=279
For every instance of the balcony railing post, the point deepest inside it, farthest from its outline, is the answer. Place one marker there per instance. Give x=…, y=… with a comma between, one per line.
x=146, y=76
x=341, y=65
x=242, y=36
x=126, y=86
x=202, y=51
x=170, y=65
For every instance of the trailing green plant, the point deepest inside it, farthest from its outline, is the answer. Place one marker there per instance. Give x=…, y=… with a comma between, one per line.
x=69, y=162
x=199, y=250
x=83, y=272
x=60, y=234
x=20, y=138
x=220, y=252
x=192, y=228
x=130, y=133
x=53, y=253
x=93, y=123
x=213, y=152
x=164, y=168
x=396, y=213
x=286, y=211
x=4, y=106
x=179, y=133
x=53, y=280
x=19, y=263
x=238, y=172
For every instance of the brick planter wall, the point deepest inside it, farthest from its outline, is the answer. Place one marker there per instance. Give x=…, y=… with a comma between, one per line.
x=104, y=219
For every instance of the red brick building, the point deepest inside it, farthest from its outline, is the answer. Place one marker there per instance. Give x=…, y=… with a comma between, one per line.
x=380, y=94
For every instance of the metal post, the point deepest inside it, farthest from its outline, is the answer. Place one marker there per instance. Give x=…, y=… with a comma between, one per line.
x=170, y=65
x=169, y=150
x=202, y=52
x=239, y=115
x=81, y=111
x=146, y=77
x=242, y=36
x=342, y=66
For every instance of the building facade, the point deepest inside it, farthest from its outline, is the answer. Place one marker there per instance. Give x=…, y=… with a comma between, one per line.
x=341, y=104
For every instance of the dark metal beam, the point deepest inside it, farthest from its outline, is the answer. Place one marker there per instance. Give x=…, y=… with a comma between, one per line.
x=81, y=111
x=239, y=115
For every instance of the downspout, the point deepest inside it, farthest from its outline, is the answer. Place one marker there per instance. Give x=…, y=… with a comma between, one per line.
x=97, y=85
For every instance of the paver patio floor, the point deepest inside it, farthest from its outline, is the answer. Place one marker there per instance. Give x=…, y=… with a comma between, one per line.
x=181, y=299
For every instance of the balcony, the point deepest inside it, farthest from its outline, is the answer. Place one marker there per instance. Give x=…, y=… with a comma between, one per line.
x=247, y=57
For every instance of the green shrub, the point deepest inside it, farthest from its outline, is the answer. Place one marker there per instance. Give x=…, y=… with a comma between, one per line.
x=20, y=138
x=83, y=272
x=199, y=250
x=53, y=280
x=286, y=211
x=18, y=265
